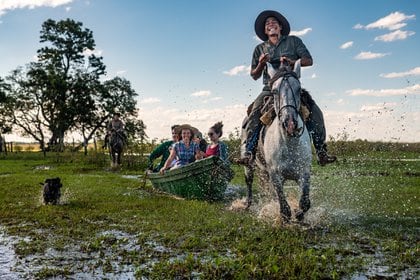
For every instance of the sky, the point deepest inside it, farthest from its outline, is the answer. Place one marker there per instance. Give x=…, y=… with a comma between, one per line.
x=189, y=61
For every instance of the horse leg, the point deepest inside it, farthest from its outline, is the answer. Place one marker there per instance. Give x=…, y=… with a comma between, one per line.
x=112, y=158
x=249, y=179
x=119, y=158
x=285, y=211
x=304, y=202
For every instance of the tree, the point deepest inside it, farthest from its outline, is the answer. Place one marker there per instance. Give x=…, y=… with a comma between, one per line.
x=114, y=95
x=5, y=125
x=62, y=91
x=70, y=76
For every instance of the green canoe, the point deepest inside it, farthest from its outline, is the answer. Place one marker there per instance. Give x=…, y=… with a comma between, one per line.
x=204, y=179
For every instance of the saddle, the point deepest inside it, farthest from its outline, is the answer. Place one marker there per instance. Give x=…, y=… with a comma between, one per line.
x=268, y=112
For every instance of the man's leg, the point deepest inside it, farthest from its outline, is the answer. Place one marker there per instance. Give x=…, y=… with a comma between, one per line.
x=316, y=127
x=251, y=127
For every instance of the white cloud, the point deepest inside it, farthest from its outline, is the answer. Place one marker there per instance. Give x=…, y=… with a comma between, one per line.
x=346, y=45
x=201, y=93
x=95, y=52
x=68, y=9
x=121, y=72
x=302, y=32
x=341, y=101
x=392, y=124
x=358, y=26
x=9, y=5
x=393, y=21
x=395, y=35
x=378, y=106
x=231, y=116
x=238, y=70
x=150, y=100
x=369, y=55
x=410, y=90
x=412, y=72
x=217, y=98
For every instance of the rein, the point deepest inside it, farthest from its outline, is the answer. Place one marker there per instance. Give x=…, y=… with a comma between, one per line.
x=286, y=76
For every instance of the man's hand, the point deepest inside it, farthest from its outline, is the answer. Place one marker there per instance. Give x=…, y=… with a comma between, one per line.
x=289, y=61
x=256, y=73
x=264, y=58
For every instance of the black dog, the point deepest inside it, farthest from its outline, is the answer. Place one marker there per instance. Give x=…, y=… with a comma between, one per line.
x=52, y=190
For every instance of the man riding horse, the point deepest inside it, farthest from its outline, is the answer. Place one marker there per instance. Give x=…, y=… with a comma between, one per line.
x=273, y=28
x=115, y=125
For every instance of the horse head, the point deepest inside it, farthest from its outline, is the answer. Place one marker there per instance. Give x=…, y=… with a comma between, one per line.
x=286, y=91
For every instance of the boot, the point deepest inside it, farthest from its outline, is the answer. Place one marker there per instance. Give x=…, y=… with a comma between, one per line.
x=324, y=158
x=244, y=160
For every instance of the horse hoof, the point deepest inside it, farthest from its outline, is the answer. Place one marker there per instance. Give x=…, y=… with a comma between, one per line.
x=285, y=219
x=300, y=215
x=305, y=204
x=248, y=204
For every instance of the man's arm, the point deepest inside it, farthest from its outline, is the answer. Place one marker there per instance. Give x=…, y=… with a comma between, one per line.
x=257, y=71
x=306, y=61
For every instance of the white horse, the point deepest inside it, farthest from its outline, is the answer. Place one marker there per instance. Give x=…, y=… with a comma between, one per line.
x=284, y=151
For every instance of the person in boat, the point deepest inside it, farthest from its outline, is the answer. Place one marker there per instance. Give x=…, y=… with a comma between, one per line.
x=199, y=139
x=163, y=150
x=184, y=151
x=273, y=29
x=217, y=147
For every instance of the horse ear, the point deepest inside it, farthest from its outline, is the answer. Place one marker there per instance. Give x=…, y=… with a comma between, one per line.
x=296, y=68
x=270, y=69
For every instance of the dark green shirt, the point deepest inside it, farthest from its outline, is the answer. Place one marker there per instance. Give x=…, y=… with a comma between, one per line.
x=289, y=46
x=161, y=151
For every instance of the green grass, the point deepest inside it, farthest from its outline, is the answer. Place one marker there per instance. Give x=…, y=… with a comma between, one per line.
x=366, y=216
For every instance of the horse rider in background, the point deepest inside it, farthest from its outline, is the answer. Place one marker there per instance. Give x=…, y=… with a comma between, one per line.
x=116, y=125
x=277, y=46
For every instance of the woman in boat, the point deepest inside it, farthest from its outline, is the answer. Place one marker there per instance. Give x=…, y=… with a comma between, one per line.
x=217, y=147
x=185, y=151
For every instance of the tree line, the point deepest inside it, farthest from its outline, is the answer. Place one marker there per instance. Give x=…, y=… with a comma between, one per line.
x=64, y=91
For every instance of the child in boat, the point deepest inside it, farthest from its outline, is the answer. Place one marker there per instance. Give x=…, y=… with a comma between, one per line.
x=185, y=151
x=217, y=147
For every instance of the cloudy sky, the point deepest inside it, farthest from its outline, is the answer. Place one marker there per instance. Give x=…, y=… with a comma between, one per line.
x=189, y=60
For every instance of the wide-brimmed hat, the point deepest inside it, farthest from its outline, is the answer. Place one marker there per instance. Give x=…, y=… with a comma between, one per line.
x=260, y=24
x=193, y=130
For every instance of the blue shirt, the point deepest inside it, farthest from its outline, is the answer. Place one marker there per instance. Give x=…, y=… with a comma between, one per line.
x=185, y=155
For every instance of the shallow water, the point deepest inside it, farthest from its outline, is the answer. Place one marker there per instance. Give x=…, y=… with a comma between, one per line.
x=7, y=258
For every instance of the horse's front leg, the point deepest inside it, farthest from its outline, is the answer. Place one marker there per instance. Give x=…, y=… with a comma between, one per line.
x=119, y=158
x=278, y=181
x=113, y=158
x=249, y=179
x=304, y=202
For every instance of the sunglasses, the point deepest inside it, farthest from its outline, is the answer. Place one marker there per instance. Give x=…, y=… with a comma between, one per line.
x=210, y=134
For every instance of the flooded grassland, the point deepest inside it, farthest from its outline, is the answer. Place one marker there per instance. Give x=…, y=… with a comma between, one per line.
x=363, y=224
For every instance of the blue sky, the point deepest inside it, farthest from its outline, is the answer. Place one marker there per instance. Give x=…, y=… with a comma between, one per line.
x=189, y=60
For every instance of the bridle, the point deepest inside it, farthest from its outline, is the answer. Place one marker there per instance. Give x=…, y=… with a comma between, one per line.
x=285, y=79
